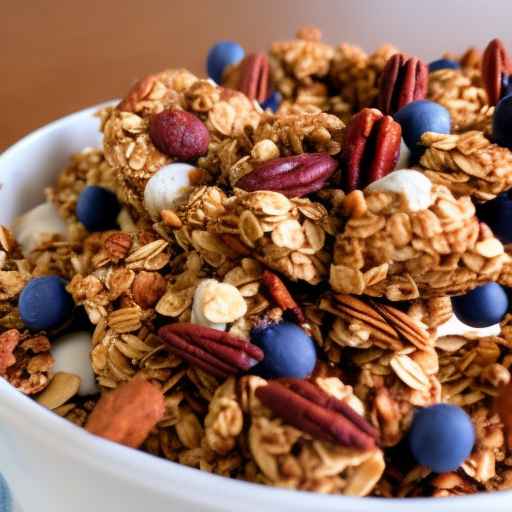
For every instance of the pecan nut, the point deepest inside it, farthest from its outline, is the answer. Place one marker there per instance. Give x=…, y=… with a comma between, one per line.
x=503, y=406
x=127, y=414
x=216, y=352
x=310, y=409
x=293, y=176
x=282, y=296
x=372, y=147
x=496, y=68
x=254, y=73
x=118, y=245
x=138, y=92
x=402, y=80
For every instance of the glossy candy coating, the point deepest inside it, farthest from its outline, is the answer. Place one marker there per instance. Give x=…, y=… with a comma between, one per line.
x=44, y=303
x=419, y=117
x=502, y=122
x=481, y=307
x=97, y=208
x=289, y=351
x=497, y=214
x=441, y=437
x=438, y=64
x=221, y=55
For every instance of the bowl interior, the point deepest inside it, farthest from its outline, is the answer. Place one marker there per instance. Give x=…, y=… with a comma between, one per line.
x=25, y=169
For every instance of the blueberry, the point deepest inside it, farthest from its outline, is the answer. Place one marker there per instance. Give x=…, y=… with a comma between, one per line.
x=222, y=55
x=44, y=303
x=419, y=117
x=481, y=307
x=272, y=102
x=97, y=208
x=502, y=122
x=435, y=65
x=441, y=437
x=497, y=214
x=289, y=351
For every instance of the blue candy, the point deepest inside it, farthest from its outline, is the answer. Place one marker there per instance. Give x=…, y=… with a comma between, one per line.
x=222, y=55
x=419, y=117
x=481, y=307
x=44, y=303
x=435, y=65
x=502, y=122
x=289, y=351
x=97, y=208
x=497, y=214
x=272, y=102
x=441, y=437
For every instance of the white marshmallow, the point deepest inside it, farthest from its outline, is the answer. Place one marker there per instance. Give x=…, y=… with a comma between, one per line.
x=31, y=228
x=72, y=354
x=454, y=327
x=415, y=186
x=167, y=188
x=197, y=316
x=403, y=159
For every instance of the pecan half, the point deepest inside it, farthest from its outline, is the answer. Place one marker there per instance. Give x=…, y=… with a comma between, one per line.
x=496, y=67
x=503, y=406
x=281, y=296
x=372, y=147
x=127, y=414
x=8, y=342
x=402, y=80
x=253, y=81
x=139, y=91
x=293, y=176
x=308, y=408
x=217, y=352
x=118, y=245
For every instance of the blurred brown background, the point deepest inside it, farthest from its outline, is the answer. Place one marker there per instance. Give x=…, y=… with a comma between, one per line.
x=61, y=55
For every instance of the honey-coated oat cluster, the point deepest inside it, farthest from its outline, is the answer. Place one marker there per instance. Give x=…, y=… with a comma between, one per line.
x=272, y=224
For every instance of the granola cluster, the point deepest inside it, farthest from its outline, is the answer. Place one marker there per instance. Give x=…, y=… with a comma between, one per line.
x=266, y=233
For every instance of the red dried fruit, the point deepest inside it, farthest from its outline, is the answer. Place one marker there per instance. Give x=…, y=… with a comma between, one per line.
x=308, y=408
x=179, y=134
x=372, y=147
x=293, y=176
x=216, y=352
x=495, y=65
x=402, y=80
x=254, y=72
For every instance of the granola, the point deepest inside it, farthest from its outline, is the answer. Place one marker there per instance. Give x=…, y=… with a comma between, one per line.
x=259, y=233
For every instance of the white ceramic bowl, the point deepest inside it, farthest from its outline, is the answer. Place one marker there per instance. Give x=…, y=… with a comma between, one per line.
x=52, y=465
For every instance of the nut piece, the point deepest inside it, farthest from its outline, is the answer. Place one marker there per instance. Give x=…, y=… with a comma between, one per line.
x=372, y=147
x=253, y=80
x=216, y=352
x=8, y=342
x=293, y=176
x=179, y=134
x=127, y=414
x=503, y=406
x=118, y=245
x=308, y=408
x=147, y=288
x=281, y=296
x=403, y=80
x=495, y=66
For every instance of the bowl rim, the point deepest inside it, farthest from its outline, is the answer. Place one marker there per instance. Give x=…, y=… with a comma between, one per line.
x=171, y=479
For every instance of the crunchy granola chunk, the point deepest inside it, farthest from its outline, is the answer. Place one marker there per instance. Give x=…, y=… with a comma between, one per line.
x=385, y=249
x=468, y=164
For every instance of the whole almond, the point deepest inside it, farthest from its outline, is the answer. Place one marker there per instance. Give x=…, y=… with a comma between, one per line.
x=127, y=414
x=147, y=288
